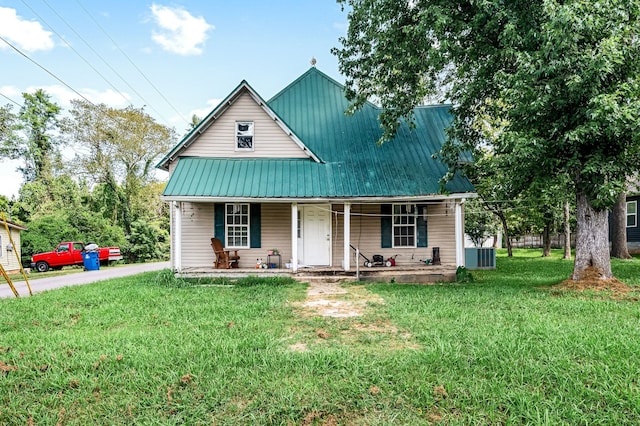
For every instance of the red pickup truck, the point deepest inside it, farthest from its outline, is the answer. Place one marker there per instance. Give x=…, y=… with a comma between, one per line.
x=70, y=253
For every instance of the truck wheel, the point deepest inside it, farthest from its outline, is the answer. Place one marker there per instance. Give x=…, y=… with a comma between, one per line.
x=42, y=266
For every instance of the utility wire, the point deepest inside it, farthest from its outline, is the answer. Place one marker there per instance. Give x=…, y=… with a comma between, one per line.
x=132, y=63
x=77, y=53
x=46, y=70
x=10, y=100
x=124, y=80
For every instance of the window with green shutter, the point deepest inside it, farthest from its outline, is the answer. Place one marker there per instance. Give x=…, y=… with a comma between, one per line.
x=403, y=225
x=237, y=225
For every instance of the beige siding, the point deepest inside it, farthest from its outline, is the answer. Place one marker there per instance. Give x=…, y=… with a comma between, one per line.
x=441, y=230
x=8, y=259
x=269, y=139
x=366, y=234
x=197, y=230
x=275, y=232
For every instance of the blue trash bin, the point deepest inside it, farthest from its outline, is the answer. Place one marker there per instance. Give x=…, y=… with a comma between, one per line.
x=91, y=260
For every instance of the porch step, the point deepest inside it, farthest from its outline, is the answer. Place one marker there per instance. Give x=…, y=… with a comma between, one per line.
x=420, y=275
x=313, y=279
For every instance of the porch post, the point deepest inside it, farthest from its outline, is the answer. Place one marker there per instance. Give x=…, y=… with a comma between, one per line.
x=294, y=237
x=177, y=235
x=459, y=233
x=347, y=237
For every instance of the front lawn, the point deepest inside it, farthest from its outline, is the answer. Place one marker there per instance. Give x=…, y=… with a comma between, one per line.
x=505, y=349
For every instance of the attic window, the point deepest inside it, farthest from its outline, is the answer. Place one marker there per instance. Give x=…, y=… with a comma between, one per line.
x=244, y=135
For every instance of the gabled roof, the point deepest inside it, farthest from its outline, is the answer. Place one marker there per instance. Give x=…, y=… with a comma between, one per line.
x=206, y=122
x=351, y=163
x=314, y=107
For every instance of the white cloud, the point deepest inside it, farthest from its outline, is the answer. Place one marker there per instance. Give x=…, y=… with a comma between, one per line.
x=10, y=178
x=182, y=33
x=203, y=112
x=25, y=35
x=341, y=26
x=178, y=120
x=12, y=93
x=63, y=96
x=107, y=97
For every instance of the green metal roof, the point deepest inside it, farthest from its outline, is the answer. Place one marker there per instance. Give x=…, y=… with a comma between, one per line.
x=352, y=164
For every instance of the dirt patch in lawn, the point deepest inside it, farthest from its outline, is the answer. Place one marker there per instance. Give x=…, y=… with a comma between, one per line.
x=591, y=281
x=352, y=315
x=331, y=299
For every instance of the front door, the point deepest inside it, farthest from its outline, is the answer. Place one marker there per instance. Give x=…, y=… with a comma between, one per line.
x=314, y=240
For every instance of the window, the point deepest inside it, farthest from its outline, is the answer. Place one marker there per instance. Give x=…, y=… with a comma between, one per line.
x=404, y=225
x=237, y=225
x=244, y=135
x=632, y=214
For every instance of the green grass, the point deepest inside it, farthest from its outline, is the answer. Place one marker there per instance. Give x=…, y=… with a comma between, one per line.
x=504, y=349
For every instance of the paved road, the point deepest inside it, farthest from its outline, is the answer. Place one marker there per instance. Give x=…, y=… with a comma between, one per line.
x=42, y=284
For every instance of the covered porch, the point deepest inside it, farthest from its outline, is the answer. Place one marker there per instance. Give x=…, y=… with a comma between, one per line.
x=319, y=236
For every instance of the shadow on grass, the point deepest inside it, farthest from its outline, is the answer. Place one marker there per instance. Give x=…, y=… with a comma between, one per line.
x=527, y=268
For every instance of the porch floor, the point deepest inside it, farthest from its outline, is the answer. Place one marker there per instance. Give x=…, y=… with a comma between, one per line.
x=422, y=274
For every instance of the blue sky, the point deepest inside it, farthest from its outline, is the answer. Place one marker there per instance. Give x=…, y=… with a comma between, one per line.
x=173, y=57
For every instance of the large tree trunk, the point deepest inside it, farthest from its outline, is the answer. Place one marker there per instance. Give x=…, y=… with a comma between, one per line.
x=505, y=229
x=567, y=231
x=619, y=247
x=592, y=242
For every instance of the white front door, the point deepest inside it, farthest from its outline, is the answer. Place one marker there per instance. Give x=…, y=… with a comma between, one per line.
x=314, y=237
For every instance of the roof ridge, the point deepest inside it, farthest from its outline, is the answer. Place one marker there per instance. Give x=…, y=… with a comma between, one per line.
x=303, y=76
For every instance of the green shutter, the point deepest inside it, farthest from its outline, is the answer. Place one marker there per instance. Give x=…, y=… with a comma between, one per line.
x=386, y=225
x=218, y=219
x=422, y=225
x=254, y=224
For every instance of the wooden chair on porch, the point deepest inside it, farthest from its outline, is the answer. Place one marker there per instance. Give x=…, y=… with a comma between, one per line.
x=224, y=259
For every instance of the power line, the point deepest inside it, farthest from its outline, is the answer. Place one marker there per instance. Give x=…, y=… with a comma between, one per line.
x=132, y=63
x=124, y=80
x=10, y=100
x=75, y=51
x=46, y=70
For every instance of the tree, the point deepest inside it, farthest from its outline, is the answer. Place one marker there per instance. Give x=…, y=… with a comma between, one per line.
x=5, y=206
x=567, y=230
x=36, y=146
x=61, y=210
x=7, y=127
x=118, y=149
x=479, y=224
x=195, y=120
x=618, y=223
x=561, y=77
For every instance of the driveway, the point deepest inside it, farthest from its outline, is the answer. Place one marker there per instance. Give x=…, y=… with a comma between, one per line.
x=85, y=277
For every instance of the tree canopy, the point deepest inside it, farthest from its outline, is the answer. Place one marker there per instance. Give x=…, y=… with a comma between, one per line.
x=559, y=80
x=32, y=138
x=107, y=193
